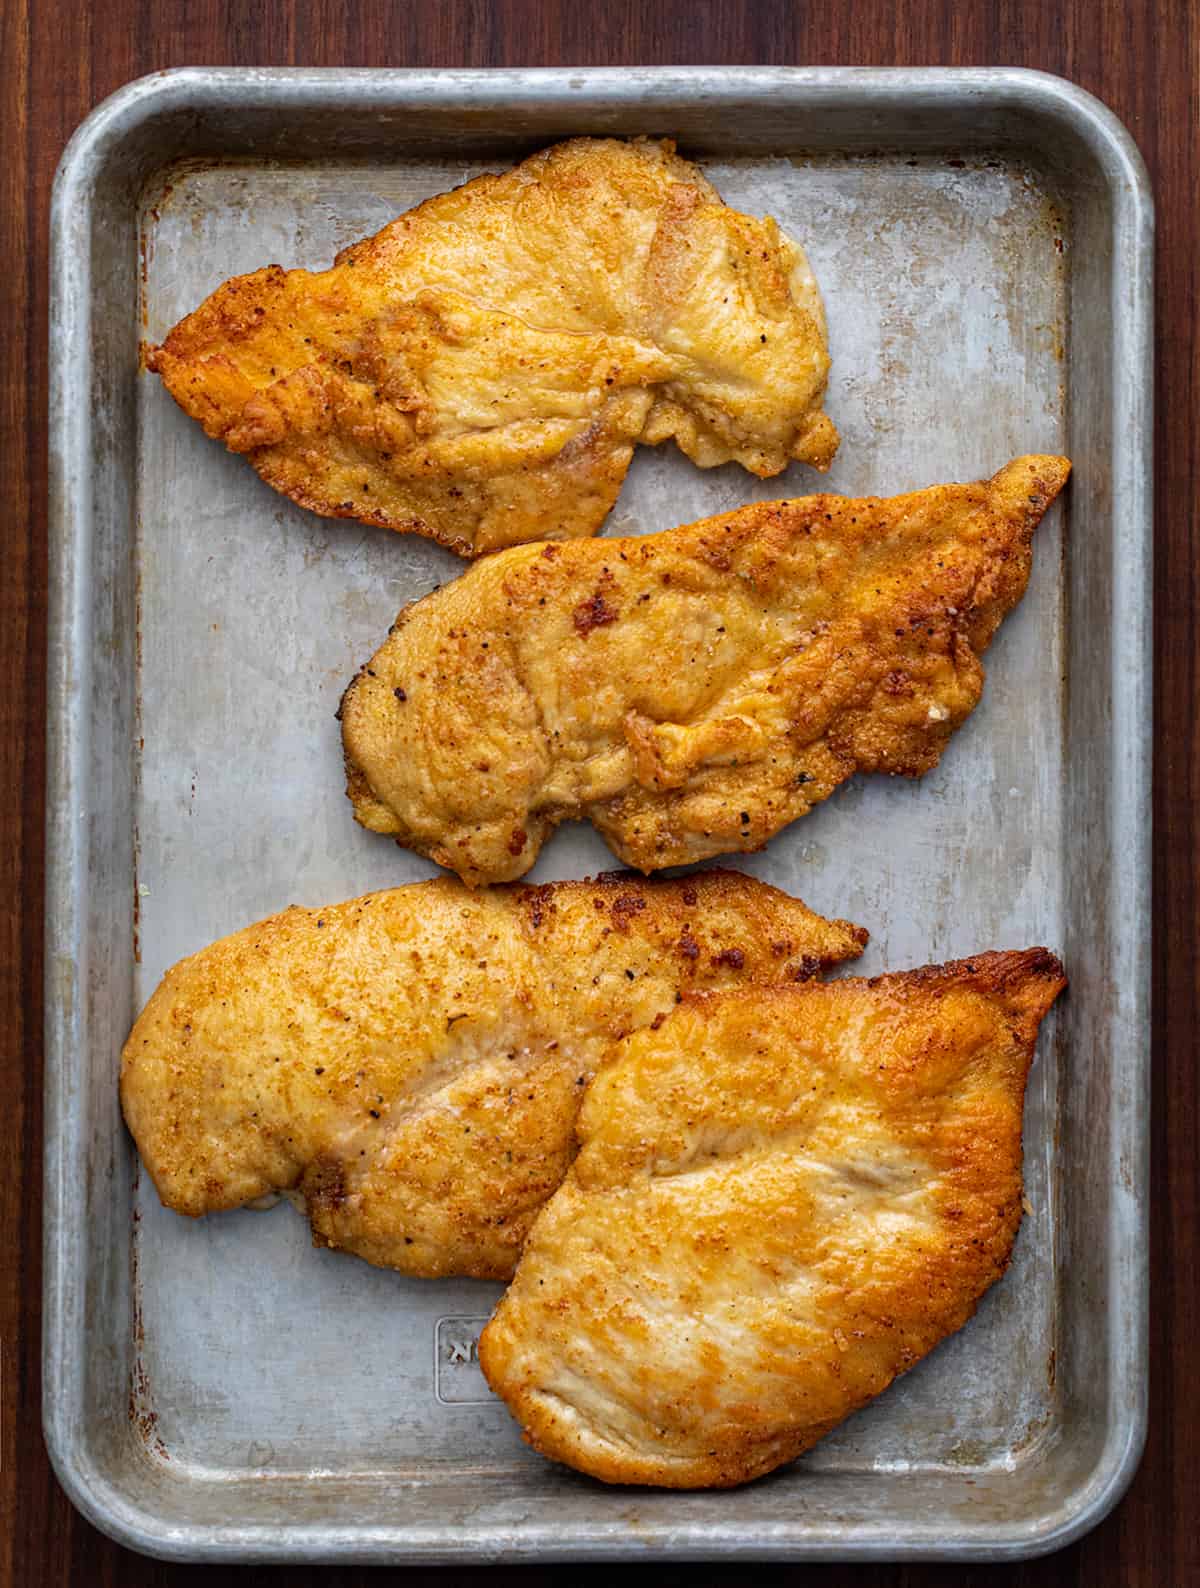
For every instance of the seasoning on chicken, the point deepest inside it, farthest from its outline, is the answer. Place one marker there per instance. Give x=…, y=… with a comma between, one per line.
x=480, y=371
x=411, y=1063
x=692, y=692
x=784, y=1197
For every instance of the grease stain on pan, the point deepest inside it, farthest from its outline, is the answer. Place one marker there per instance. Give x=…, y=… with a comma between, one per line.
x=142, y=1415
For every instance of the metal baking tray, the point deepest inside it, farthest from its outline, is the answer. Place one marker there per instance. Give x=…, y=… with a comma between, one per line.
x=219, y=1390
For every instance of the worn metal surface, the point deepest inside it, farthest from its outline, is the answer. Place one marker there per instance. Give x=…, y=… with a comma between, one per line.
x=219, y=1389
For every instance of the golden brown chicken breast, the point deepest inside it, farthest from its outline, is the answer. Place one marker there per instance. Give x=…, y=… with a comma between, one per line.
x=412, y=1062
x=691, y=692
x=783, y=1198
x=481, y=370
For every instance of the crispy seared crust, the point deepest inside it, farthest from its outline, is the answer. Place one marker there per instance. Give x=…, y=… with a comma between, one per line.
x=480, y=371
x=783, y=1198
x=413, y=1061
x=691, y=692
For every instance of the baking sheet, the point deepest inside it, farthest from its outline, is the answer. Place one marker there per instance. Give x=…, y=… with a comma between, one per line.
x=243, y=1394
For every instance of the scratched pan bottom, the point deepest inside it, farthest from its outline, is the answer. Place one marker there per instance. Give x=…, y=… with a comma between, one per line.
x=239, y=805
x=236, y=1393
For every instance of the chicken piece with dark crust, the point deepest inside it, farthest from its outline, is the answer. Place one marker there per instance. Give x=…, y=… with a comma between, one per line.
x=691, y=692
x=783, y=1198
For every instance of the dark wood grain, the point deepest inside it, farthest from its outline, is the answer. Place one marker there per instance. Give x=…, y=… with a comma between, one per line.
x=59, y=59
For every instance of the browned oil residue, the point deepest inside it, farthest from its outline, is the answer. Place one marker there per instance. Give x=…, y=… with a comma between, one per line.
x=141, y=1414
x=1034, y=1432
x=137, y=764
x=151, y=219
x=145, y=249
x=137, y=634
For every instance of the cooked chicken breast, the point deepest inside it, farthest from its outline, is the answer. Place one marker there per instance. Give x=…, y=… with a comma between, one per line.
x=691, y=692
x=783, y=1198
x=412, y=1062
x=481, y=370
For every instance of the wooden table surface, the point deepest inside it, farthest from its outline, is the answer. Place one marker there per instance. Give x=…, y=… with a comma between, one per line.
x=57, y=60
